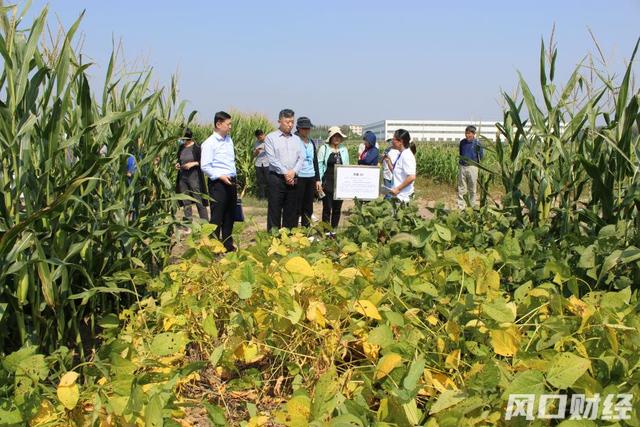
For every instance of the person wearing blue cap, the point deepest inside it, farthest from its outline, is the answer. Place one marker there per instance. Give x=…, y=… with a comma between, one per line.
x=369, y=156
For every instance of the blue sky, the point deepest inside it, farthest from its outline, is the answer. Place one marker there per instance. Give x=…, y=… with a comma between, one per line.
x=342, y=62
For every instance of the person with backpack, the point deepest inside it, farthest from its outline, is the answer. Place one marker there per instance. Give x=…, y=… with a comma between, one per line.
x=309, y=175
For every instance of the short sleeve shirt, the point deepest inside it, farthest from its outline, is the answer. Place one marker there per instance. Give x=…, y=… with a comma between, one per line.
x=405, y=166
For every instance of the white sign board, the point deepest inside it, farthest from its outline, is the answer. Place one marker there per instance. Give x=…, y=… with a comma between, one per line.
x=361, y=182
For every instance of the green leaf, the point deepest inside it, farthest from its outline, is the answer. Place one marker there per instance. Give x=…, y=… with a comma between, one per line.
x=525, y=382
x=381, y=336
x=565, y=369
x=446, y=400
x=209, y=326
x=500, y=311
x=168, y=343
x=109, y=321
x=245, y=290
x=216, y=354
x=11, y=362
x=616, y=300
x=153, y=412
x=324, y=399
x=588, y=258
x=630, y=254
x=415, y=372
x=577, y=423
x=216, y=414
x=443, y=232
x=610, y=262
x=425, y=288
x=396, y=319
x=34, y=367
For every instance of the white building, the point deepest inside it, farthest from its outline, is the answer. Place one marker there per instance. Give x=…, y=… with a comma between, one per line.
x=355, y=129
x=431, y=130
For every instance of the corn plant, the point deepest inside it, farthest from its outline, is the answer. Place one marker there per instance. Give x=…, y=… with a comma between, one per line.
x=573, y=158
x=76, y=236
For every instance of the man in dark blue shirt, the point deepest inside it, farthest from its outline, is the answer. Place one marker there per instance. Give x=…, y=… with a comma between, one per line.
x=471, y=153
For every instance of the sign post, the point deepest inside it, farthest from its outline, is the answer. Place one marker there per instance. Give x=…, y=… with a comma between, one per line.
x=356, y=182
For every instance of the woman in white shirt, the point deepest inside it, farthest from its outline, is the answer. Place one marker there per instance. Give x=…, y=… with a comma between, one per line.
x=404, y=166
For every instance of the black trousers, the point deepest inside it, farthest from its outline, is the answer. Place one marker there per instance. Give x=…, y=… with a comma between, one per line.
x=331, y=209
x=262, y=179
x=306, y=193
x=223, y=208
x=190, y=184
x=283, y=203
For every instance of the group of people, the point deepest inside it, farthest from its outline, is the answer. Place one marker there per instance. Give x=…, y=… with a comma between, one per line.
x=292, y=171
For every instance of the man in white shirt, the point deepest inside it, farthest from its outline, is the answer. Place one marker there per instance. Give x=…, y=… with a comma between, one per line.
x=219, y=165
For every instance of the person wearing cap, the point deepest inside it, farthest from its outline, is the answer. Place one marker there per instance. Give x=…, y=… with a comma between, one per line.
x=309, y=175
x=218, y=162
x=190, y=179
x=286, y=157
x=329, y=155
x=369, y=156
x=261, y=163
x=471, y=152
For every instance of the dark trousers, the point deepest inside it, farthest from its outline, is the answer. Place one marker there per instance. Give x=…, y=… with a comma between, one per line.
x=190, y=184
x=331, y=209
x=283, y=206
x=306, y=192
x=262, y=179
x=223, y=208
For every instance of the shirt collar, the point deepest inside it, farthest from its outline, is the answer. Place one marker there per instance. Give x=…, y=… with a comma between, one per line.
x=220, y=137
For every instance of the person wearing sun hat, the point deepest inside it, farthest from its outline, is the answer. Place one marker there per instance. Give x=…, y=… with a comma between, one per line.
x=309, y=175
x=329, y=155
x=369, y=156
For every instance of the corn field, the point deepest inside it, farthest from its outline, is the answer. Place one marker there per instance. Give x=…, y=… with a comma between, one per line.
x=77, y=238
x=578, y=164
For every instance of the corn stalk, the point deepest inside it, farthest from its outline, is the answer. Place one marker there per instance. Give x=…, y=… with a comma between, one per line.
x=75, y=238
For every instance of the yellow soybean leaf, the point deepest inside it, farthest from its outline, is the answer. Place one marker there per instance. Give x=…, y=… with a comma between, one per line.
x=432, y=320
x=299, y=265
x=300, y=406
x=316, y=312
x=68, y=395
x=539, y=292
x=505, y=341
x=453, y=359
x=68, y=379
x=488, y=282
x=465, y=262
x=387, y=364
x=258, y=421
x=349, y=273
x=46, y=414
x=366, y=308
